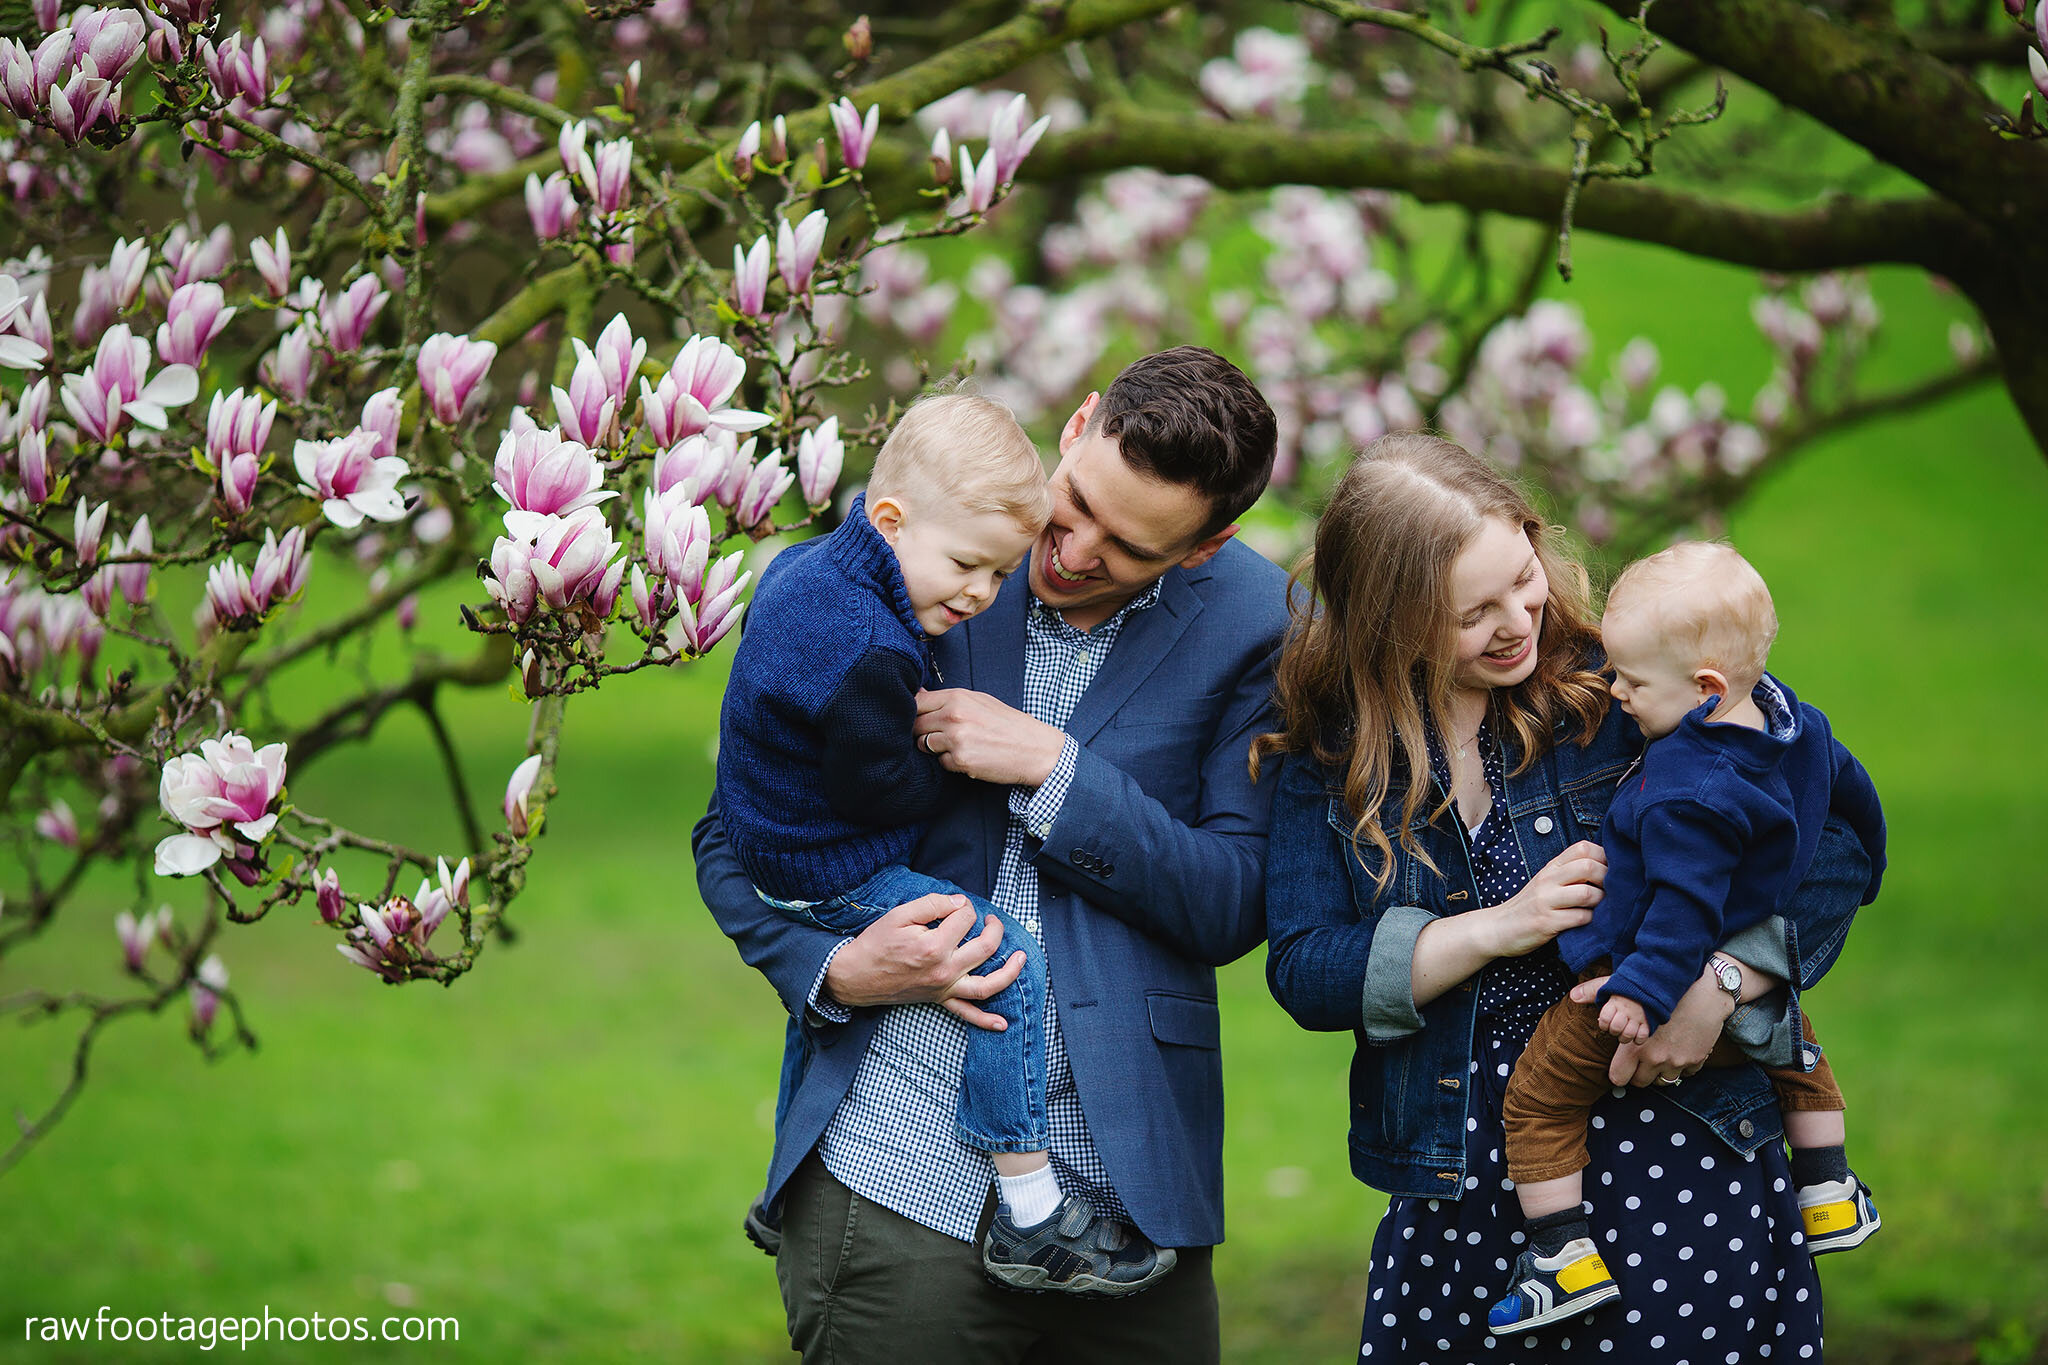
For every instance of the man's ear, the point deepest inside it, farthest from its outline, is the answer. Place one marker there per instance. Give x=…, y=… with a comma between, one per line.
x=1205, y=550
x=1712, y=682
x=886, y=516
x=1078, y=423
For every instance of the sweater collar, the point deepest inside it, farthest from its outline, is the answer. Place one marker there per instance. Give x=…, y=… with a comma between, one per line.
x=858, y=548
x=1756, y=749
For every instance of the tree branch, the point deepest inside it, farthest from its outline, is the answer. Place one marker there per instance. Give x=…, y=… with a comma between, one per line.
x=1248, y=155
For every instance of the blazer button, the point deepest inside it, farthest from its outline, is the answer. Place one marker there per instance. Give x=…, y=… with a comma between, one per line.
x=1106, y=869
x=1544, y=824
x=1746, y=1129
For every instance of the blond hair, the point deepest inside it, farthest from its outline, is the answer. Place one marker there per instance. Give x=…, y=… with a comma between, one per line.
x=1706, y=603
x=964, y=451
x=1365, y=676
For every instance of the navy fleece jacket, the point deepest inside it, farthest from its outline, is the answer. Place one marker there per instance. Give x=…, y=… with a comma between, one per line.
x=1707, y=836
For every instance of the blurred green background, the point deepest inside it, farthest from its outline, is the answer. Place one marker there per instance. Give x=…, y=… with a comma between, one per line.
x=557, y=1150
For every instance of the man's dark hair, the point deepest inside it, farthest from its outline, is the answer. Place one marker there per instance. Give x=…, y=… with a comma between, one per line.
x=1189, y=416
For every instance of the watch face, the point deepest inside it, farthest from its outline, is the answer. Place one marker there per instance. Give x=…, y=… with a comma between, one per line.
x=1729, y=975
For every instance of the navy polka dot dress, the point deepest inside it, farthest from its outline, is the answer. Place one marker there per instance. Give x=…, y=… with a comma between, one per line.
x=1705, y=1244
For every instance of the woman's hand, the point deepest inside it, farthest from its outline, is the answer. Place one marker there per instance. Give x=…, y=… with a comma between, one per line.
x=1680, y=1047
x=1560, y=897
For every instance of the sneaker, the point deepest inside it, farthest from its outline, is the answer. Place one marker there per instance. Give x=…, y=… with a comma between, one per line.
x=1838, y=1214
x=1076, y=1251
x=760, y=1231
x=1549, y=1288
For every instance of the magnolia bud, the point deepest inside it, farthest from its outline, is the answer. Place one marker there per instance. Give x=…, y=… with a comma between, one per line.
x=860, y=40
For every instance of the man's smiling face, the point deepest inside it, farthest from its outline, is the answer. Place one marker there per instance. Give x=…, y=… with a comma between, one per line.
x=1113, y=530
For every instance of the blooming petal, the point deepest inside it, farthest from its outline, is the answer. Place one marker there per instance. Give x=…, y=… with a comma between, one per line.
x=185, y=855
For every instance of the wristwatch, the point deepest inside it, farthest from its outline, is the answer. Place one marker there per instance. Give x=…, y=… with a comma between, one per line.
x=1727, y=976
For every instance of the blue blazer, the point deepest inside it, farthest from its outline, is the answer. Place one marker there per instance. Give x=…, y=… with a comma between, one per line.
x=1152, y=877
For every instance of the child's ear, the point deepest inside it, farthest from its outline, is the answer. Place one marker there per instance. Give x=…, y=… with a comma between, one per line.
x=1711, y=683
x=886, y=516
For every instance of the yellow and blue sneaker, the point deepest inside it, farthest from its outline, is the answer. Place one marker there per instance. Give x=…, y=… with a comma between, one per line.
x=1838, y=1215
x=1546, y=1289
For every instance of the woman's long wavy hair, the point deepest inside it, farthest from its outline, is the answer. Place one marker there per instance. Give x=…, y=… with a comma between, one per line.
x=1372, y=649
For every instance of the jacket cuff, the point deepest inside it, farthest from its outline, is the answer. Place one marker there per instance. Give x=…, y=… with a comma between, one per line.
x=1039, y=807
x=1763, y=946
x=820, y=1008
x=1388, y=1006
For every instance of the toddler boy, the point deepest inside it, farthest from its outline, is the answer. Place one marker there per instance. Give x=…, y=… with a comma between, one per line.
x=1706, y=835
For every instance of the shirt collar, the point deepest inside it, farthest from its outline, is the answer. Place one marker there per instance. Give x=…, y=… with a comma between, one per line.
x=1047, y=617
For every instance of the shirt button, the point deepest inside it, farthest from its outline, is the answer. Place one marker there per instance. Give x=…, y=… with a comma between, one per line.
x=1745, y=1128
x=1544, y=824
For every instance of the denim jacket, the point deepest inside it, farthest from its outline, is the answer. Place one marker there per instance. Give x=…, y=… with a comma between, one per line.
x=1341, y=950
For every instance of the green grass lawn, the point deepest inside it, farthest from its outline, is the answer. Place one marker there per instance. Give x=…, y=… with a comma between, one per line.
x=557, y=1150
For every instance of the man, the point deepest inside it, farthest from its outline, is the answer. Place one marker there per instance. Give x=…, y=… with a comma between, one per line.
x=1105, y=717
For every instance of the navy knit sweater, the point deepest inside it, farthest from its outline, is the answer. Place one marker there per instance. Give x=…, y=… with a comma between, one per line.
x=1706, y=838
x=820, y=782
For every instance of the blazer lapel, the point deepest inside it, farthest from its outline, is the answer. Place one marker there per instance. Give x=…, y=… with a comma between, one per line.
x=1146, y=640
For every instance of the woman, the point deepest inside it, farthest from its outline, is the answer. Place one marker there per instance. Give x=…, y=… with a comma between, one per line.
x=1449, y=754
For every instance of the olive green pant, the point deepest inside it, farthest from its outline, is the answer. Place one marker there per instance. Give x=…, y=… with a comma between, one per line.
x=862, y=1284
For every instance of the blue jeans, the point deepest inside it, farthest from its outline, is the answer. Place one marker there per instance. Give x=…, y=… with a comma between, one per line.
x=1002, y=1083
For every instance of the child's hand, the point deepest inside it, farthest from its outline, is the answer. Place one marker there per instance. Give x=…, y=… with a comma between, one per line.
x=1624, y=1018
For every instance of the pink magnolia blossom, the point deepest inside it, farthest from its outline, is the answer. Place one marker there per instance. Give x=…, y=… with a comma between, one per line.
x=856, y=135
x=58, y=824
x=107, y=42
x=16, y=352
x=139, y=935
x=105, y=292
x=226, y=798
x=941, y=159
x=230, y=600
x=290, y=368
x=701, y=624
x=118, y=389
x=196, y=316
x=750, y=278
x=796, y=250
x=678, y=539
x=1010, y=140
x=551, y=205
x=391, y=938
x=273, y=263
x=87, y=528
x=381, y=414
x=764, y=488
x=555, y=562
x=778, y=141
x=237, y=428
x=205, y=990
x=350, y=479
x=518, y=792
x=237, y=71
x=345, y=318
x=746, y=149
x=134, y=578
x=819, y=455
x=978, y=184
x=588, y=411
x=537, y=471
x=739, y=467
x=692, y=396
x=32, y=464
x=327, y=896
x=189, y=259
x=451, y=368
x=646, y=609
x=282, y=567
x=608, y=175
x=618, y=354
x=81, y=103
x=435, y=901
x=698, y=460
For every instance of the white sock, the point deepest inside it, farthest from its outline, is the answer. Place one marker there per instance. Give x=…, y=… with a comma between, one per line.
x=1032, y=1197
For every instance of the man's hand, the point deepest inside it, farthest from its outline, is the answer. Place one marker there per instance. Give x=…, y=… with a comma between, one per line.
x=1624, y=1018
x=1680, y=1047
x=915, y=954
x=973, y=733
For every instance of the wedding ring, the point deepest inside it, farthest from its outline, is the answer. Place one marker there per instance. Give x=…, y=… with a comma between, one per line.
x=924, y=742
x=1669, y=1080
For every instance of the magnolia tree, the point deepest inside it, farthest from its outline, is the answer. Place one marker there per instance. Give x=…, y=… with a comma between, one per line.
x=346, y=303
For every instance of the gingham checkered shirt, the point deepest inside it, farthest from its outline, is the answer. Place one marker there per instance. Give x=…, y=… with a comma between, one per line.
x=892, y=1139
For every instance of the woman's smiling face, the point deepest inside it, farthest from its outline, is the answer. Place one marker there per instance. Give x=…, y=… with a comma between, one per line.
x=1498, y=589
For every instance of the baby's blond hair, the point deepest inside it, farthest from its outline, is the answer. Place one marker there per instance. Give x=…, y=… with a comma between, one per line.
x=1705, y=599
x=964, y=451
